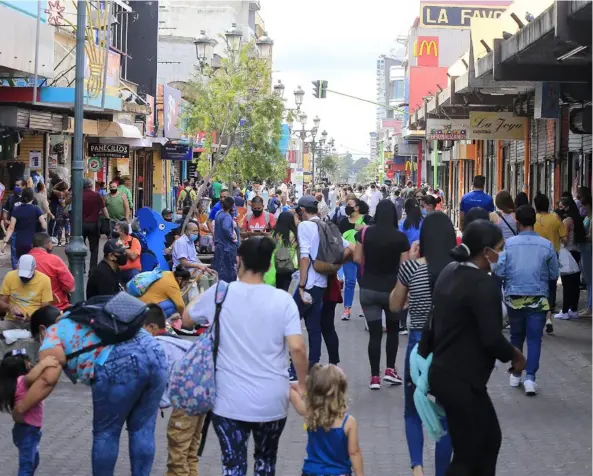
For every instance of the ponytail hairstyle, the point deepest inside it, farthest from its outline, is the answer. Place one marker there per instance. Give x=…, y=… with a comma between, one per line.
x=480, y=234
x=437, y=237
x=14, y=365
x=413, y=214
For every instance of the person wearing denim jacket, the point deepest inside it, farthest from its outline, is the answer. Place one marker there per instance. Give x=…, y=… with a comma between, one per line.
x=526, y=265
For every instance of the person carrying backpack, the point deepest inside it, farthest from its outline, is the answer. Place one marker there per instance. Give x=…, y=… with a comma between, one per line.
x=101, y=343
x=285, y=258
x=274, y=202
x=187, y=196
x=322, y=251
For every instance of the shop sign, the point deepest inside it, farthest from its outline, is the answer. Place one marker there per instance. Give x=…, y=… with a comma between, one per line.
x=108, y=150
x=149, y=131
x=172, y=112
x=447, y=129
x=426, y=50
x=177, y=152
x=200, y=142
x=35, y=160
x=497, y=125
x=95, y=164
x=455, y=16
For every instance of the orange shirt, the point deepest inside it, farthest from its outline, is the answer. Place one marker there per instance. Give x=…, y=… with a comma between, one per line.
x=134, y=245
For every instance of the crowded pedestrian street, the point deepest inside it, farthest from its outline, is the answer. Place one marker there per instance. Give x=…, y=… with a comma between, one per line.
x=548, y=435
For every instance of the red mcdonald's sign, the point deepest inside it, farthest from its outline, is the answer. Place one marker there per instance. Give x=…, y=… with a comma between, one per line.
x=426, y=50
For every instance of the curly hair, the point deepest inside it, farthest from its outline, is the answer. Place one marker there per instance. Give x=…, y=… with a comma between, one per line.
x=326, y=396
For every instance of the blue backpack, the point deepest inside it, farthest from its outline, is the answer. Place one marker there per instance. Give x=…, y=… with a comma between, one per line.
x=140, y=283
x=192, y=382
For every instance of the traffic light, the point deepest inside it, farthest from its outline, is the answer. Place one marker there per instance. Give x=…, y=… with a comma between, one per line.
x=320, y=89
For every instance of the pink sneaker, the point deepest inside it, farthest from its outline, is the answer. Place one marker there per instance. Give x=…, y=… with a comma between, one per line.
x=375, y=383
x=392, y=377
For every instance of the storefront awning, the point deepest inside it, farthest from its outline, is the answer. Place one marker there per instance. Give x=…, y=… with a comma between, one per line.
x=118, y=129
x=143, y=142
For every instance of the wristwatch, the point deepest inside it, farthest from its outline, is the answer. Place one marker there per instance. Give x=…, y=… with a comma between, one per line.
x=302, y=286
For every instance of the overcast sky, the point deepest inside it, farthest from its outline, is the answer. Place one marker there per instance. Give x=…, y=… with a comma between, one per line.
x=337, y=41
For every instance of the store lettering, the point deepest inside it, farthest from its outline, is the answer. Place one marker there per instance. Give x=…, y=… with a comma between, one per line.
x=455, y=16
x=496, y=126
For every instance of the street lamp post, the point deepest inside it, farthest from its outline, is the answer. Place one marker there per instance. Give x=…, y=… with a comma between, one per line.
x=76, y=250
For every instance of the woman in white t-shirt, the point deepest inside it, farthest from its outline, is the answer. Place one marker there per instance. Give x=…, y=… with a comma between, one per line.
x=259, y=324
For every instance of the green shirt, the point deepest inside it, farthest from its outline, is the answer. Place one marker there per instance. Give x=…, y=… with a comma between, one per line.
x=217, y=187
x=115, y=206
x=126, y=191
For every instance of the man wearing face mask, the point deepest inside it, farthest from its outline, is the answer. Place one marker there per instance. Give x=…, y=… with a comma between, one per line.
x=24, y=290
x=133, y=248
x=258, y=221
x=184, y=250
x=104, y=279
x=62, y=281
x=117, y=203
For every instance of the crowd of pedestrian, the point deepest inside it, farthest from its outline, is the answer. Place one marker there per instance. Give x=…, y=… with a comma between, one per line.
x=287, y=257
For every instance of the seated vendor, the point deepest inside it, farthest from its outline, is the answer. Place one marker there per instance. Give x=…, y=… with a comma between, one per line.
x=184, y=250
x=166, y=292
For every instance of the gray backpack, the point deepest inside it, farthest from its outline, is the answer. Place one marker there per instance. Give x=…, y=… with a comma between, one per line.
x=283, y=260
x=331, y=249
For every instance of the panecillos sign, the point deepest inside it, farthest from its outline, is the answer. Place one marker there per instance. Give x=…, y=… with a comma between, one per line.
x=497, y=125
x=118, y=151
x=455, y=16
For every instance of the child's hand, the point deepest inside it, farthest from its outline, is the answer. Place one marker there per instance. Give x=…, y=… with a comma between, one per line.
x=49, y=361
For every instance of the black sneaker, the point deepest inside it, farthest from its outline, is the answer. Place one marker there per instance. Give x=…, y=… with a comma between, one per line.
x=549, y=326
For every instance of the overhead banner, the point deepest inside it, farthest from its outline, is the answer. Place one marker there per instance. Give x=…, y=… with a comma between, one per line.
x=456, y=16
x=447, y=129
x=497, y=125
x=108, y=150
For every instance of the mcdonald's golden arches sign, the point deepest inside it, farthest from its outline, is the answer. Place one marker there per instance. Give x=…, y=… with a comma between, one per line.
x=426, y=50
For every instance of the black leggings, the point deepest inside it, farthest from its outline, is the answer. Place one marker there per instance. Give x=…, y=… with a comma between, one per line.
x=472, y=422
x=391, y=345
x=571, y=287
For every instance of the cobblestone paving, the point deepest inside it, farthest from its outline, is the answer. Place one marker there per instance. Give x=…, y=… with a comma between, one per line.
x=546, y=435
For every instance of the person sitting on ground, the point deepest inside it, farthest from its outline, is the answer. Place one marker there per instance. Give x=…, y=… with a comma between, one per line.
x=133, y=251
x=184, y=250
x=166, y=291
x=104, y=279
x=62, y=281
x=24, y=290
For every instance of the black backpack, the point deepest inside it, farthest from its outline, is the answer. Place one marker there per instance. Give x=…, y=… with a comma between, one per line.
x=187, y=201
x=114, y=319
x=330, y=253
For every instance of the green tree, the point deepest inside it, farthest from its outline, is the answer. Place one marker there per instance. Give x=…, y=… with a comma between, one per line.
x=367, y=174
x=345, y=165
x=327, y=166
x=242, y=119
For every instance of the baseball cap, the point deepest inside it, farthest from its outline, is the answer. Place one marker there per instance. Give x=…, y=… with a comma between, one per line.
x=112, y=246
x=307, y=201
x=26, y=267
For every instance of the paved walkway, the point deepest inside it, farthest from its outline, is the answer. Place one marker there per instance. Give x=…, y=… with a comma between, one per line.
x=545, y=435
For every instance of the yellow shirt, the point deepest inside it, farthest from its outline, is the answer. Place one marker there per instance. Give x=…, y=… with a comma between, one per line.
x=549, y=226
x=164, y=289
x=27, y=297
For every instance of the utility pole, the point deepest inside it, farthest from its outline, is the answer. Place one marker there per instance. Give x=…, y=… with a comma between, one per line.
x=76, y=250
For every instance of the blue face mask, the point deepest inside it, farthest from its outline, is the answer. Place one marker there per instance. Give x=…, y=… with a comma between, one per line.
x=194, y=237
x=424, y=212
x=18, y=190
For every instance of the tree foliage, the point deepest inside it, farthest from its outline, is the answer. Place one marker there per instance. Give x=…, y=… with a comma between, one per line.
x=327, y=166
x=367, y=174
x=344, y=170
x=234, y=106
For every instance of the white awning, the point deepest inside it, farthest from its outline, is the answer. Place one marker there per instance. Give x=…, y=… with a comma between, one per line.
x=118, y=129
x=144, y=142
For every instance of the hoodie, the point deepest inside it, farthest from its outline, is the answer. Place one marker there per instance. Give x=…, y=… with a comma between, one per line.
x=175, y=349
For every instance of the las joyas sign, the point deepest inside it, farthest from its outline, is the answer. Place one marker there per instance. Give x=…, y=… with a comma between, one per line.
x=496, y=125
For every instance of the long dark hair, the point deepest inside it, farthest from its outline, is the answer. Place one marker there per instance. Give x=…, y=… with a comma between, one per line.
x=413, y=214
x=573, y=212
x=479, y=235
x=437, y=238
x=521, y=199
x=386, y=214
x=11, y=368
x=285, y=225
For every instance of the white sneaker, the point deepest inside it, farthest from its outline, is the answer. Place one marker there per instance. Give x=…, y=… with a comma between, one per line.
x=403, y=332
x=573, y=315
x=514, y=381
x=530, y=388
x=562, y=316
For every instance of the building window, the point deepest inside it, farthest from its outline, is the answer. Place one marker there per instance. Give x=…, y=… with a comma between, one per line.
x=397, y=89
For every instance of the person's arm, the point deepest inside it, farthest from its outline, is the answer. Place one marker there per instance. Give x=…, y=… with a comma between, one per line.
x=10, y=230
x=173, y=292
x=297, y=401
x=358, y=256
x=126, y=206
x=487, y=313
x=553, y=267
x=227, y=228
x=186, y=264
x=43, y=222
x=461, y=214
x=353, y=446
x=398, y=297
x=298, y=353
x=35, y=372
x=562, y=233
x=105, y=212
x=65, y=277
x=134, y=250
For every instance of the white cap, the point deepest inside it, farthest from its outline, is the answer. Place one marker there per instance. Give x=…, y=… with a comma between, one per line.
x=26, y=267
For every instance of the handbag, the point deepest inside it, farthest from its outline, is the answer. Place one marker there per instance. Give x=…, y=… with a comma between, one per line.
x=567, y=263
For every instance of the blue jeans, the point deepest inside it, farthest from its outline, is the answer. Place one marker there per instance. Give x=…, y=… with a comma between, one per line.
x=350, y=273
x=127, y=389
x=311, y=313
x=168, y=307
x=14, y=259
x=528, y=324
x=414, y=434
x=585, y=249
x=26, y=438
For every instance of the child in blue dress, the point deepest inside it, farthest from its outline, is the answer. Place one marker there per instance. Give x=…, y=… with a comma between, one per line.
x=332, y=447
